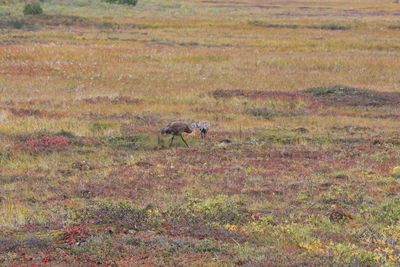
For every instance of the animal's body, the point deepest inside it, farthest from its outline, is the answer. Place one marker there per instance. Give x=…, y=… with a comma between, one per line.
x=177, y=128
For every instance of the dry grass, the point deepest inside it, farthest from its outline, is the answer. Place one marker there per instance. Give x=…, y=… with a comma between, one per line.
x=86, y=87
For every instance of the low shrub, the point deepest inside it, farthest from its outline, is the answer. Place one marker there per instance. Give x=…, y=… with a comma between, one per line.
x=334, y=90
x=120, y=213
x=66, y=134
x=227, y=93
x=9, y=245
x=135, y=142
x=101, y=126
x=122, y=2
x=220, y=209
x=75, y=235
x=333, y=27
x=175, y=245
x=33, y=8
x=344, y=194
x=99, y=247
x=389, y=212
x=45, y=144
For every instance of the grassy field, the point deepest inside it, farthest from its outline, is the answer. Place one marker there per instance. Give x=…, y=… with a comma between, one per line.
x=303, y=97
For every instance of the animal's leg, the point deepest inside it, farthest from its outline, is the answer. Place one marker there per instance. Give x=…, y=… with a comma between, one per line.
x=184, y=141
x=172, y=139
x=160, y=141
x=203, y=133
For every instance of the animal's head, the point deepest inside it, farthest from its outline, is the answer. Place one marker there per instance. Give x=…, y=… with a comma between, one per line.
x=165, y=130
x=203, y=125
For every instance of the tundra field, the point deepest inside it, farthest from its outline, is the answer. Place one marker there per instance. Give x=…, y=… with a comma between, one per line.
x=297, y=169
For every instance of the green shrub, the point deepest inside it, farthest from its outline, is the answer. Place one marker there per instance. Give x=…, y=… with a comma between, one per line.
x=119, y=213
x=99, y=247
x=326, y=90
x=135, y=142
x=344, y=194
x=33, y=8
x=220, y=209
x=171, y=245
x=389, y=212
x=122, y=2
x=64, y=133
x=334, y=27
x=99, y=126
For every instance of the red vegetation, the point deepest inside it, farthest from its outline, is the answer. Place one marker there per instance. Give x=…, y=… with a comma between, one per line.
x=45, y=144
x=75, y=235
x=35, y=112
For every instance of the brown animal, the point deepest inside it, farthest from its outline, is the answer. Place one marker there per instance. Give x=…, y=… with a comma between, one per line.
x=177, y=128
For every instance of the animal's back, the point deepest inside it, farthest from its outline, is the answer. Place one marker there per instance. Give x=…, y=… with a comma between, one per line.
x=178, y=127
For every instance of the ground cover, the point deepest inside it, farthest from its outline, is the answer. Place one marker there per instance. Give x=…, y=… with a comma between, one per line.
x=303, y=99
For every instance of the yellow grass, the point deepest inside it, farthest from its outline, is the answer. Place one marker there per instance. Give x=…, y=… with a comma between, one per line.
x=171, y=56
